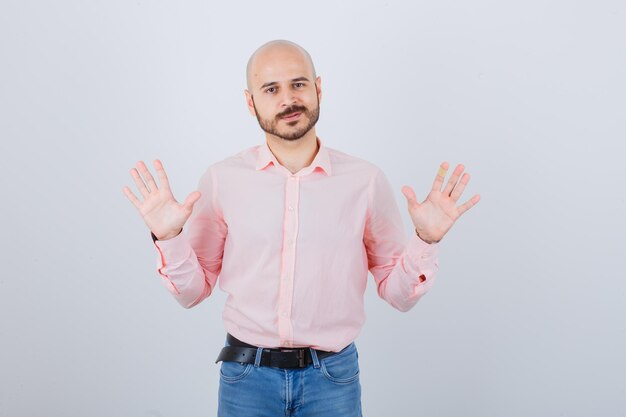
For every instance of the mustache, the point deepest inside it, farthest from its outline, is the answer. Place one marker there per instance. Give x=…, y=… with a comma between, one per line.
x=289, y=110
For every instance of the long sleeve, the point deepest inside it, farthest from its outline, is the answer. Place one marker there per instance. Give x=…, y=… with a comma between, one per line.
x=403, y=270
x=189, y=264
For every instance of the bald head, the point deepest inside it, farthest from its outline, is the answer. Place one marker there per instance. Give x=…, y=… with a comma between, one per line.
x=276, y=53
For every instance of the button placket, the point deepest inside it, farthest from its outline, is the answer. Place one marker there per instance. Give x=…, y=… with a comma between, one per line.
x=290, y=229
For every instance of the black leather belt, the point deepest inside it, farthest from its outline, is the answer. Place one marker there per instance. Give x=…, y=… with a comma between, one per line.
x=239, y=351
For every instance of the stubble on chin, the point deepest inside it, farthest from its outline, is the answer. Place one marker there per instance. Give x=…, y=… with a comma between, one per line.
x=271, y=127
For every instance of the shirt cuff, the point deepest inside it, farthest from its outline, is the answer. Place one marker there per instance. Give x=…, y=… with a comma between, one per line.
x=176, y=248
x=420, y=251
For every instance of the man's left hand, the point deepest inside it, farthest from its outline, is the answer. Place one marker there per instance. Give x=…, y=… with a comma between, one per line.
x=435, y=216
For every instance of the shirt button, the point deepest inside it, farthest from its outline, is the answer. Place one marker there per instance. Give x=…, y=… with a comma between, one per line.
x=284, y=314
x=290, y=208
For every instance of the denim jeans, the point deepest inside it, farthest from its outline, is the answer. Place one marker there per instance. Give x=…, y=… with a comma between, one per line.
x=329, y=387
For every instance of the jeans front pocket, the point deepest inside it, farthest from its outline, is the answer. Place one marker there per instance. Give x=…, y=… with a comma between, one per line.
x=234, y=371
x=343, y=367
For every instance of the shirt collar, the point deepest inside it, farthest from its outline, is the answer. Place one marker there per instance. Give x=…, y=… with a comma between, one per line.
x=322, y=159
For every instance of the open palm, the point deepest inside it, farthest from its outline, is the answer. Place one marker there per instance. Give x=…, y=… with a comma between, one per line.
x=163, y=215
x=434, y=216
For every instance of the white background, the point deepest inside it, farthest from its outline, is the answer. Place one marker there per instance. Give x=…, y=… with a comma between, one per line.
x=527, y=316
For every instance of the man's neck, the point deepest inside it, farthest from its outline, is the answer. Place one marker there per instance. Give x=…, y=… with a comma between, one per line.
x=294, y=154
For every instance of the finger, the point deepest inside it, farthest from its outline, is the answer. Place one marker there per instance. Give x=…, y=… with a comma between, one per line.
x=191, y=199
x=147, y=176
x=453, y=179
x=469, y=204
x=410, y=196
x=441, y=174
x=163, y=181
x=139, y=183
x=458, y=190
x=132, y=197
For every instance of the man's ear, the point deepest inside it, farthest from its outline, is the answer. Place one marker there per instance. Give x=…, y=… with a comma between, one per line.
x=318, y=84
x=249, y=102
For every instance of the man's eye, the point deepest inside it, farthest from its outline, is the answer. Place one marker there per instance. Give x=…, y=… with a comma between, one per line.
x=270, y=90
x=299, y=84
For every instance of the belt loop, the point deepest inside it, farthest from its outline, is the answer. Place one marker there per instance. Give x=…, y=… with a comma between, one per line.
x=316, y=362
x=257, y=359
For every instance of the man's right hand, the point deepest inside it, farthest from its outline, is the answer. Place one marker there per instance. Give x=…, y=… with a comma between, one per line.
x=164, y=216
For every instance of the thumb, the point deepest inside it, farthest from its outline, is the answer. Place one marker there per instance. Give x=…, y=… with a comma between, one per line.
x=410, y=196
x=191, y=199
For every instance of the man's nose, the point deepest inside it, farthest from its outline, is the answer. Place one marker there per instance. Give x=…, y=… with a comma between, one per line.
x=288, y=98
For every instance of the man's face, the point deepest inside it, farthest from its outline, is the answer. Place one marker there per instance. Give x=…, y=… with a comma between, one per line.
x=283, y=94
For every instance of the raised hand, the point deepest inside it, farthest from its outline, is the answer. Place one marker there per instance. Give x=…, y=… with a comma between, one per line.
x=435, y=216
x=164, y=216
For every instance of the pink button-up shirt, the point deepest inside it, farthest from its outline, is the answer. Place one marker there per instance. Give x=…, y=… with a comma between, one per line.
x=293, y=250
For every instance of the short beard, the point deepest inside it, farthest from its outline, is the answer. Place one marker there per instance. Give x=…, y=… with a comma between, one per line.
x=269, y=126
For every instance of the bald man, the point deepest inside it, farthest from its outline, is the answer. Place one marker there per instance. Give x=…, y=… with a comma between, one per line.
x=292, y=227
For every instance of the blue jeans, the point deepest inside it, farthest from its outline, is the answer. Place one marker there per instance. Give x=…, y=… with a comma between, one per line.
x=329, y=387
